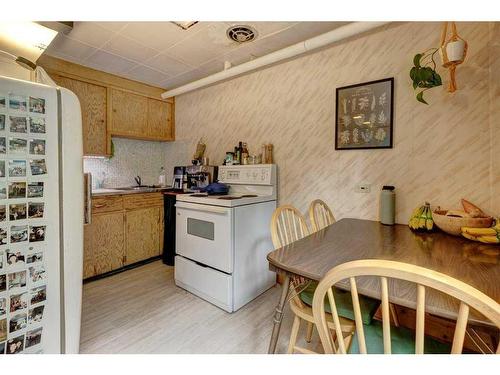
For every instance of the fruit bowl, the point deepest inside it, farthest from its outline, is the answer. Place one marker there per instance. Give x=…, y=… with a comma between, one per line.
x=451, y=223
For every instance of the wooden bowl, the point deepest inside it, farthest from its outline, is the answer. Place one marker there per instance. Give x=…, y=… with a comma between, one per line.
x=453, y=224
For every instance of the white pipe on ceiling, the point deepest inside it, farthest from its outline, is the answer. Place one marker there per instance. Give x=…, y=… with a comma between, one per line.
x=335, y=35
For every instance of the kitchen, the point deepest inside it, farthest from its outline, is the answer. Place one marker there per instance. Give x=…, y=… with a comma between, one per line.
x=164, y=103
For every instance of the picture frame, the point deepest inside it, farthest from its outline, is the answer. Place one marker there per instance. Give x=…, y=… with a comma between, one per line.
x=364, y=115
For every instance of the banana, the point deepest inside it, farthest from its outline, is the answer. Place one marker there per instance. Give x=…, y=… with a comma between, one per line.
x=480, y=231
x=488, y=239
x=429, y=223
x=421, y=218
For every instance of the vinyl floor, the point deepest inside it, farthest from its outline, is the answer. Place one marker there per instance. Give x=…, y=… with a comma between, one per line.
x=142, y=311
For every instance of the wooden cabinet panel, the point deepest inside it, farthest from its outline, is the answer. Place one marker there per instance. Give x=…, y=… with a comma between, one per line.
x=93, y=103
x=107, y=204
x=160, y=120
x=134, y=201
x=162, y=230
x=129, y=113
x=88, y=252
x=142, y=234
x=104, y=244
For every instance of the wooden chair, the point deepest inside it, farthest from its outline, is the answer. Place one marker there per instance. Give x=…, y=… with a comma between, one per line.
x=320, y=215
x=289, y=225
x=382, y=337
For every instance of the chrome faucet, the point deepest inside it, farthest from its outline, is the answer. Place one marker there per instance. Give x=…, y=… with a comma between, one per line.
x=138, y=180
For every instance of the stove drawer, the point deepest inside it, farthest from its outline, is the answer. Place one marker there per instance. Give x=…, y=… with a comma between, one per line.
x=205, y=234
x=205, y=282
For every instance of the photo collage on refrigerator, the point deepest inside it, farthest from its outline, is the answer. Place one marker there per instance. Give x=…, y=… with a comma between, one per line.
x=23, y=176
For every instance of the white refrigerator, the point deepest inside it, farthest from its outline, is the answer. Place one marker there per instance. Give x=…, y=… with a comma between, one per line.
x=41, y=218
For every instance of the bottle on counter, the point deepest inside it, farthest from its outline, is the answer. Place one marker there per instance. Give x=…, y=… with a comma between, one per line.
x=162, y=178
x=237, y=156
x=388, y=205
x=244, y=154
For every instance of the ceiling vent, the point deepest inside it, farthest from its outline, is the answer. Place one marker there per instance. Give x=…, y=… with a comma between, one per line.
x=241, y=33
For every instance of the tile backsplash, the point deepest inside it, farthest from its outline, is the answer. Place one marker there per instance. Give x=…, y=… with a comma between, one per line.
x=132, y=158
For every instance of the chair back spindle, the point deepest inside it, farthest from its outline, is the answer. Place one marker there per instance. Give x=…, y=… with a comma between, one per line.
x=468, y=297
x=320, y=215
x=287, y=225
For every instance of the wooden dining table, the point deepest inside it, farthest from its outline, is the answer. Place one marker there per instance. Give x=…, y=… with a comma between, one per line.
x=347, y=240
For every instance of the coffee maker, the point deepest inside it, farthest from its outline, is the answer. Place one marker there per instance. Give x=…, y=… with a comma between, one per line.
x=180, y=178
x=194, y=177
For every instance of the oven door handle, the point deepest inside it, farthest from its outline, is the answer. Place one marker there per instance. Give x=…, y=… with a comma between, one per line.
x=201, y=208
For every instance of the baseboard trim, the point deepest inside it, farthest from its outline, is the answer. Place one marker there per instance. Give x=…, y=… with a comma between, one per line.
x=122, y=269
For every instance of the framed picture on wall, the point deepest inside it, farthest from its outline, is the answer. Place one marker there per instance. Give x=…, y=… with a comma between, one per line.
x=364, y=115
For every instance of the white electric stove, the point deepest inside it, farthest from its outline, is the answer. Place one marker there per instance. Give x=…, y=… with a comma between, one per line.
x=222, y=240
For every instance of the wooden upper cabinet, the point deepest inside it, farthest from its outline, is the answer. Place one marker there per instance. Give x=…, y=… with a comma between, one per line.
x=129, y=114
x=160, y=120
x=93, y=104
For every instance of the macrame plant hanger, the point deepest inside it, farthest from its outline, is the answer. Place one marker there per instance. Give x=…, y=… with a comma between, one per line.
x=450, y=60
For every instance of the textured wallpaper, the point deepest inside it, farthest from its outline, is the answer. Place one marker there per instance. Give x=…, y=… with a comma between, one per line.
x=132, y=158
x=442, y=152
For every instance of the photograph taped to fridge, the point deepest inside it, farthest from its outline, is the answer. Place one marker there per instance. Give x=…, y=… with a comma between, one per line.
x=37, y=105
x=37, y=233
x=37, y=125
x=38, y=294
x=17, y=168
x=18, y=103
x=35, y=315
x=17, y=190
x=18, y=124
x=35, y=190
x=18, y=146
x=38, y=167
x=15, y=345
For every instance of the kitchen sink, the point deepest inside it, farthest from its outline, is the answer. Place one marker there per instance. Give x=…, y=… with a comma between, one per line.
x=136, y=188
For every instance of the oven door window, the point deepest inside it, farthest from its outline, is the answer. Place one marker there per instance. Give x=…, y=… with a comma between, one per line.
x=200, y=228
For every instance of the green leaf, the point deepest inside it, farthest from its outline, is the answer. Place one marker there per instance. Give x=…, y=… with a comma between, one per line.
x=420, y=97
x=416, y=59
x=412, y=73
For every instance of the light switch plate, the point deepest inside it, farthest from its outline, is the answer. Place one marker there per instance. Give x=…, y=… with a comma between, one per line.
x=363, y=188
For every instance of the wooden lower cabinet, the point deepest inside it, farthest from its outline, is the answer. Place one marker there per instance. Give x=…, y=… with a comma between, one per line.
x=124, y=230
x=103, y=244
x=142, y=234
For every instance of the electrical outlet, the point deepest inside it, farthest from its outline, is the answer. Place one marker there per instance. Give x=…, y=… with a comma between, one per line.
x=363, y=188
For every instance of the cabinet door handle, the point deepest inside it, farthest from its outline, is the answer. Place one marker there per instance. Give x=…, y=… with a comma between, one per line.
x=100, y=205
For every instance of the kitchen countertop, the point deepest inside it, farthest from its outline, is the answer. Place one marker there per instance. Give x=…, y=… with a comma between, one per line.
x=111, y=191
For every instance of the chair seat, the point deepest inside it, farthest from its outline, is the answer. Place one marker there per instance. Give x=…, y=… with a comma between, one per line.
x=343, y=301
x=402, y=341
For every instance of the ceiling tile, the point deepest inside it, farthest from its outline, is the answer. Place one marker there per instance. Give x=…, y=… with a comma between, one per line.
x=158, y=35
x=128, y=48
x=112, y=26
x=109, y=63
x=182, y=79
x=167, y=65
x=144, y=74
x=193, y=52
x=90, y=33
x=64, y=45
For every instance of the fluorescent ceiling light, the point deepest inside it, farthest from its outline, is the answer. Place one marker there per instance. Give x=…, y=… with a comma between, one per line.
x=25, y=39
x=185, y=24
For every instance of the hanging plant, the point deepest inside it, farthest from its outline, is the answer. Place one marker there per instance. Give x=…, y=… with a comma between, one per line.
x=423, y=74
x=453, y=51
